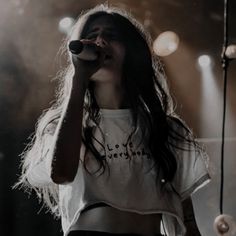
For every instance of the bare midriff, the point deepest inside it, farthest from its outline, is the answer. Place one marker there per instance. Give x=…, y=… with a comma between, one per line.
x=112, y=220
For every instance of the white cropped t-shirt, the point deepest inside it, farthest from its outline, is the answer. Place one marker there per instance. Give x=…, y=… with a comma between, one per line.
x=130, y=182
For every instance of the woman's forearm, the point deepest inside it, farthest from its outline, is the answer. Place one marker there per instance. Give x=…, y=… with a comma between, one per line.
x=68, y=136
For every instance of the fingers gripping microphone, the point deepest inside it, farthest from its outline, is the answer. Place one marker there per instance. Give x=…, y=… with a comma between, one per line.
x=83, y=51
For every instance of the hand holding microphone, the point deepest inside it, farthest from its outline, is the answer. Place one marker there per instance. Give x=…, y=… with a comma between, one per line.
x=87, y=58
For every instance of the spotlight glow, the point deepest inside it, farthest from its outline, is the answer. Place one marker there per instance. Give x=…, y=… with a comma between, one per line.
x=166, y=43
x=66, y=24
x=204, y=61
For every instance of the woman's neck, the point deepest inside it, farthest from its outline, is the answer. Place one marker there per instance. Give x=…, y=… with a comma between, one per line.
x=110, y=96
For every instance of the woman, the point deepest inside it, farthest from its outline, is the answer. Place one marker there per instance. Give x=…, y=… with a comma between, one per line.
x=110, y=156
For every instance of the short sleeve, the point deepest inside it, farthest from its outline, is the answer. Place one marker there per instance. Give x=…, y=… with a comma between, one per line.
x=192, y=169
x=192, y=172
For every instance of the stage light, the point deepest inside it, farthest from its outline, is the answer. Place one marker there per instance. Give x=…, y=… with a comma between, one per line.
x=66, y=24
x=166, y=43
x=204, y=61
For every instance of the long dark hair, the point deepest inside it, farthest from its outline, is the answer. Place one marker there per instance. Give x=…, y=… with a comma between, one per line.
x=146, y=95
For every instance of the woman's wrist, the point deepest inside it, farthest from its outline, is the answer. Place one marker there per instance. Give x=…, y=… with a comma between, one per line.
x=79, y=85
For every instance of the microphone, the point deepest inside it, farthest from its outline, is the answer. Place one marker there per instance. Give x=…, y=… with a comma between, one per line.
x=83, y=51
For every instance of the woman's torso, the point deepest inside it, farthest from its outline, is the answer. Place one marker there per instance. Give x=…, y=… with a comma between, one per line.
x=109, y=219
x=122, y=184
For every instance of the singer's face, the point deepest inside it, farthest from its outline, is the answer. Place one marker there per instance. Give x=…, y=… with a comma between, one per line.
x=104, y=33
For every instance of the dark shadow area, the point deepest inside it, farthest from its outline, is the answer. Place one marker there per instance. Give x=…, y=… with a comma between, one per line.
x=19, y=213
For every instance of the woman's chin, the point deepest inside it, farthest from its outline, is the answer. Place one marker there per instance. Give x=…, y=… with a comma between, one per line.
x=105, y=74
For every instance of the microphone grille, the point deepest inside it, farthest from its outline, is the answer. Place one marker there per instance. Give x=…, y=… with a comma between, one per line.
x=75, y=46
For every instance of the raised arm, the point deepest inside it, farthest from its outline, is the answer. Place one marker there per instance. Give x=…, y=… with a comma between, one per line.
x=59, y=151
x=68, y=135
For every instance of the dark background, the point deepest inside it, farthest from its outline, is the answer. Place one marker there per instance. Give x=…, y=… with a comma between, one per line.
x=29, y=42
